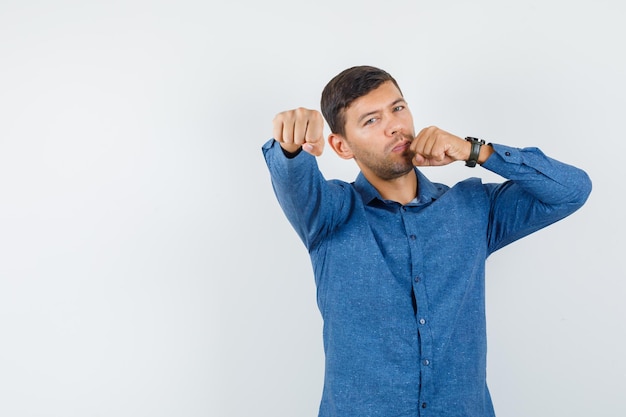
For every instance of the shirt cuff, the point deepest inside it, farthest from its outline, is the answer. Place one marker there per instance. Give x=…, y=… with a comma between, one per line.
x=503, y=154
x=273, y=142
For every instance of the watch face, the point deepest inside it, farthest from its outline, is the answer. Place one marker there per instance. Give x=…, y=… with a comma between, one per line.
x=472, y=139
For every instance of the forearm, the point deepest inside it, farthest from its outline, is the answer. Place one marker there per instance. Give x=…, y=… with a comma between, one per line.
x=311, y=204
x=540, y=191
x=548, y=180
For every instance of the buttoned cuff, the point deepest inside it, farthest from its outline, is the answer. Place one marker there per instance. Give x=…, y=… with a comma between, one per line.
x=503, y=154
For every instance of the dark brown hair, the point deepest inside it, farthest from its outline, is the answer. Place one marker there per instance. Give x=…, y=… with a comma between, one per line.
x=346, y=87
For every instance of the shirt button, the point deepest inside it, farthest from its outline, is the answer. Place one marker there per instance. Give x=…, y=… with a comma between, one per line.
x=426, y=362
x=422, y=321
x=507, y=153
x=423, y=405
x=417, y=279
x=413, y=237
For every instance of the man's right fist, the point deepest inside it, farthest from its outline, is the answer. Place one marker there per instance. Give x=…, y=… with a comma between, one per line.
x=300, y=128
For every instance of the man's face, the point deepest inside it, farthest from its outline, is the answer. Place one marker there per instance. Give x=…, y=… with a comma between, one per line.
x=379, y=129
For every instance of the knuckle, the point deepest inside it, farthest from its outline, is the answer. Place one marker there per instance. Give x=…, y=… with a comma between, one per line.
x=433, y=130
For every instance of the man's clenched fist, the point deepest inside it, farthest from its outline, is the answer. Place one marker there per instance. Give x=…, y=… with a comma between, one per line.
x=300, y=128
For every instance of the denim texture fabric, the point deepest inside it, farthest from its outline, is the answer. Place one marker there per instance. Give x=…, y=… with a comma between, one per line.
x=401, y=288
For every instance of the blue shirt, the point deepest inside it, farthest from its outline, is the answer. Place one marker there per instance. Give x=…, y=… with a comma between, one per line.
x=401, y=288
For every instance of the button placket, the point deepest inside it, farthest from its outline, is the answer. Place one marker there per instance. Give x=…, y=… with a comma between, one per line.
x=412, y=227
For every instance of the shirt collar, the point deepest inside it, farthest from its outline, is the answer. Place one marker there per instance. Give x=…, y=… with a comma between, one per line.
x=427, y=191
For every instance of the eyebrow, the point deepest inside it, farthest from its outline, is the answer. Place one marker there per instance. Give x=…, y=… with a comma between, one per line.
x=364, y=116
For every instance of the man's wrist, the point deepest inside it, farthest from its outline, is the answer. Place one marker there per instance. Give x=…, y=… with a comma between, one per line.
x=485, y=153
x=290, y=151
x=479, y=151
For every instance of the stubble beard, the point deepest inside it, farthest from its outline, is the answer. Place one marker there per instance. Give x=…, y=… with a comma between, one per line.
x=389, y=170
x=390, y=166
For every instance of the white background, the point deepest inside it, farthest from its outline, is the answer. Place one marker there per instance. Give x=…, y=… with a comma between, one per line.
x=145, y=266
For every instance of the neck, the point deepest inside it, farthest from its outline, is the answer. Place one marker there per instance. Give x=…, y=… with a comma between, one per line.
x=402, y=189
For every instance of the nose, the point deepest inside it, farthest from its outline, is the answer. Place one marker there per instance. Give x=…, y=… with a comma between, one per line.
x=394, y=126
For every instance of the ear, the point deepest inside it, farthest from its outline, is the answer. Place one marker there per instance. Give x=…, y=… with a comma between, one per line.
x=340, y=146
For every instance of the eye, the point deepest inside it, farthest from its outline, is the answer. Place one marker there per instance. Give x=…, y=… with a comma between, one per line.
x=398, y=108
x=370, y=121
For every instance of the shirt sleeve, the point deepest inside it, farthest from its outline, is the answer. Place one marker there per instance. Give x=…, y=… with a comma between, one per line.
x=313, y=205
x=538, y=192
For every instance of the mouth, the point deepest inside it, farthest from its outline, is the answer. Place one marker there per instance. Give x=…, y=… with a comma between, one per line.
x=401, y=147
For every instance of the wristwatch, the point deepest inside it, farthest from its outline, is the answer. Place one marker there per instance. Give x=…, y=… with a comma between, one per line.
x=473, y=157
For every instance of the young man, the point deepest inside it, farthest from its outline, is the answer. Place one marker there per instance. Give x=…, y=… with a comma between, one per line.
x=399, y=261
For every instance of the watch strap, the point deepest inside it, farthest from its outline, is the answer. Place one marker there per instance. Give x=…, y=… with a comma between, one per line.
x=474, y=152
